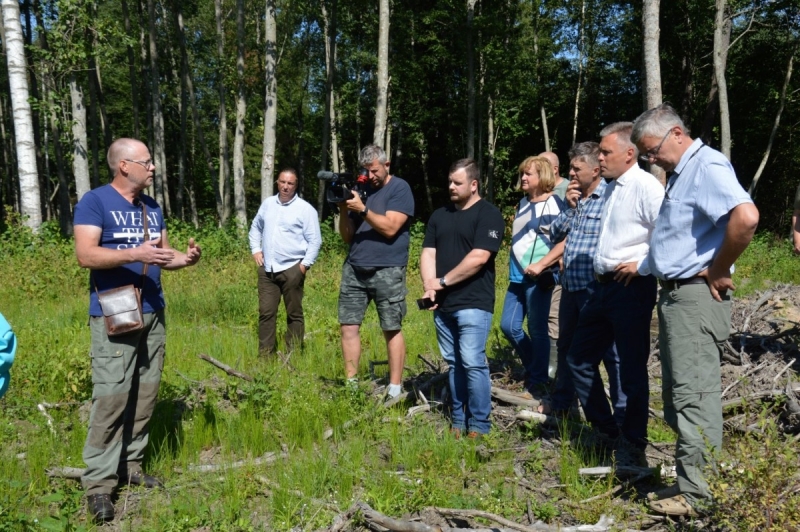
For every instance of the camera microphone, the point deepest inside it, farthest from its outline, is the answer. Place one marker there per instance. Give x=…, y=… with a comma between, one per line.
x=331, y=176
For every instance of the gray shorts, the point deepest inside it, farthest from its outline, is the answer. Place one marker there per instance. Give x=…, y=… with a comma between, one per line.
x=386, y=286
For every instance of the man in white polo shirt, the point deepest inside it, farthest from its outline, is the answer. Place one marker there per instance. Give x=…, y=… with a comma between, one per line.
x=621, y=305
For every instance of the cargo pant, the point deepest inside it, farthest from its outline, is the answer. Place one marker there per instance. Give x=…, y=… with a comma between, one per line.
x=693, y=328
x=126, y=374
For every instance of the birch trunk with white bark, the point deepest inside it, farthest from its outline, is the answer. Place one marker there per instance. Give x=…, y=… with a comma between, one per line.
x=270, y=101
x=383, y=74
x=30, y=197
x=80, y=153
x=720, y=63
x=239, y=203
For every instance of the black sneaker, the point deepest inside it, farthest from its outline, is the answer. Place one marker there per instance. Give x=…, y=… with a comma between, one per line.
x=100, y=507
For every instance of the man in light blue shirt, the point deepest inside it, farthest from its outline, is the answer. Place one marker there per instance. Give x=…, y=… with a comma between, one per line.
x=285, y=241
x=706, y=221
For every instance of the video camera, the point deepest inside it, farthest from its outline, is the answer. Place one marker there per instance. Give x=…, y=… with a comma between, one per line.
x=340, y=186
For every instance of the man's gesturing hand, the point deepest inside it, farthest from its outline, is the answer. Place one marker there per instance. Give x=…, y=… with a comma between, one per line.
x=150, y=252
x=193, y=253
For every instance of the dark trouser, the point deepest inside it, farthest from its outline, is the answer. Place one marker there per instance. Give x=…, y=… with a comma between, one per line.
x=126, y=374
x=693, y=329
x=570, y=309
x=271, y=286
x=619, y=314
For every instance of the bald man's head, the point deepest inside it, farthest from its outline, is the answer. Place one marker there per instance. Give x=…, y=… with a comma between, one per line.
x=553, y=158
x=122, y=149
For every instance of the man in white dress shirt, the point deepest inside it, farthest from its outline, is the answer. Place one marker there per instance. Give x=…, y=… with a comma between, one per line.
x=285, y=241
x=621, y=306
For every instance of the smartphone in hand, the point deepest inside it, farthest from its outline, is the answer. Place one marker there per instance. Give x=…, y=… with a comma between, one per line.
x=425, y=303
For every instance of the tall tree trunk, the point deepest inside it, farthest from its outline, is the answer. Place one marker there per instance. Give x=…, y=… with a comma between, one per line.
x=183, y=102
x=132, y=71
x=492, y=138
x=542, y=110
x=30, y=198
x=64, y=205
x=328, y=129
x=383, y=73
x=720, y=63
x=94, y=130
x=764, y=159
x=470, y=80
x=240, y=205
x=80, y=153
x=34, y=94
x=223, y=210
x=423, y=155
x=270, y=101
x=7, y=176
x=581, y=59
x=198, y=127
x=652, y=66
x=158, y=147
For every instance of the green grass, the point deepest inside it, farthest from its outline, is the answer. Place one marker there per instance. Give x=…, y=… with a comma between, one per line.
x=396, y=466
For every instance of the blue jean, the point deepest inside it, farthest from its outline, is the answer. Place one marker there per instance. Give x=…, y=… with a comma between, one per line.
x=571, y=305
x=621, y=314
x=523, y=299
x=462, y=339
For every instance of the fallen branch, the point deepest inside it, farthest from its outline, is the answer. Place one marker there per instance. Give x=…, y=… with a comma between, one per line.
x=74, y=473
x=781, y=372
x=49, y=418
x=424, y=388
x=513, y=398
x=267, y=458
x=224, y=367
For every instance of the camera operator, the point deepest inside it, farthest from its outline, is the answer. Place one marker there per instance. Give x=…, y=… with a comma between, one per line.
x=375, y=268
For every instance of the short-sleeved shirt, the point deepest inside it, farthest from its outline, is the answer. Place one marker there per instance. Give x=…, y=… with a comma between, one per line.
x=454, y=233
x=369, y=248
x=530, y=234
x=797, y=199
x=691, y=224
x=560, y=189
x=122, y=228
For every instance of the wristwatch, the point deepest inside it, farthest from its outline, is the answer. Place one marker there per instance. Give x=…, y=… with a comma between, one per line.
x=442, y=282
x=364, y=212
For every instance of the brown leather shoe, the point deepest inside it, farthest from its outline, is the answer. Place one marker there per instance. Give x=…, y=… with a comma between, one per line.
x=474, y=435
x=455, y=433
x=100, y=507
x=137, y=478
x=676, y=506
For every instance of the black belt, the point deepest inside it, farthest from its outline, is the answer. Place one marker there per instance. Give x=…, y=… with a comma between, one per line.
x=674, y=284
x=604, y=278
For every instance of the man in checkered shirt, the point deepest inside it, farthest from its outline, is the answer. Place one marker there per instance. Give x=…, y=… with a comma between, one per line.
x=581, y=223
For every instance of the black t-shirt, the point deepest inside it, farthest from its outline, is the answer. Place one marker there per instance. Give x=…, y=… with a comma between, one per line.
x=454, y=233
x=369, y=248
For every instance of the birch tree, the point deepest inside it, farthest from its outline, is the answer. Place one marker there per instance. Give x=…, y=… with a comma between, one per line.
x=30, y=198
x=240, y=205
x=223, y=209
x=80, y=152
x=652, y=65
x=720, y=62
x=159, y=150
x=270, y=101
x=383, y=73
x=328, y=122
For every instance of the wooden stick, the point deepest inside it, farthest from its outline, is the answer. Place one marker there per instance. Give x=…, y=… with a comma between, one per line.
x=47, y=416
x=224, y=367
x=74, y=473
x=268, y=458
x=781, y=372
x=514, y=399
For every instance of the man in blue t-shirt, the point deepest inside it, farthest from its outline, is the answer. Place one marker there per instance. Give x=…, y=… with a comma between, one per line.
x=110, y=241
x=457, y=270
x=375, y=268
x=705, y=222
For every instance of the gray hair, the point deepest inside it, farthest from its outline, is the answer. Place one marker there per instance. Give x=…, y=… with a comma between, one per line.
x=120, y=149
x=623, y=132
x=586, y=152
x=370, y=153
x=656, y=122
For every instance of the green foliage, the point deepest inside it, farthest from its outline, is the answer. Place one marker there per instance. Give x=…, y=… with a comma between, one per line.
x=767, y=260
x=754, y=485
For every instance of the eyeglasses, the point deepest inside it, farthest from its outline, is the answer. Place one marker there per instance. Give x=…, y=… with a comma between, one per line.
x=652, y=154
x=149, y=162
